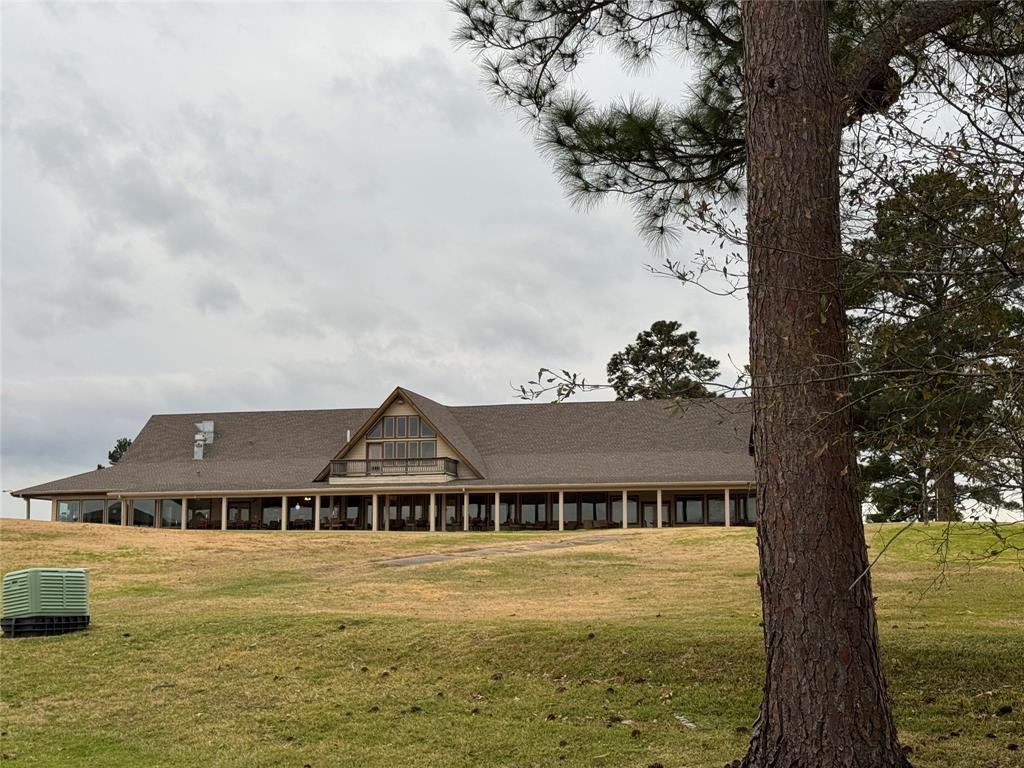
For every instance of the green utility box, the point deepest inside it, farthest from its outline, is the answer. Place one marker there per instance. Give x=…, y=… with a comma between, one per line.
x=45, y=601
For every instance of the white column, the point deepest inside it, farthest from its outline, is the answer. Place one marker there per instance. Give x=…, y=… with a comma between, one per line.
x=625, y=510
x=373, y=511
x=465, y=511
x=561, y=510
x=284, y=513
x=124, y=512
x=224, y=513
x=433, y=512
x=658, y=502
x=184, y=514
x=316, y=513
x=497, y=510
x=728, y=521
x=53, y=510
x=28, y=507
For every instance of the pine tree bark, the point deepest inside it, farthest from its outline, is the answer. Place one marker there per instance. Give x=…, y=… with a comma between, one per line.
x=825, y=701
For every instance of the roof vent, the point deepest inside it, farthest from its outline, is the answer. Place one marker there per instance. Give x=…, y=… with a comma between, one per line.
x=203, y=438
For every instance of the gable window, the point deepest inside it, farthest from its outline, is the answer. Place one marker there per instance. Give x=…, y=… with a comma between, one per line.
x=401, y=437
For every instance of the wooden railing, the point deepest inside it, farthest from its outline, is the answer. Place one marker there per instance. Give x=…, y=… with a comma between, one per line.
x=394, y=467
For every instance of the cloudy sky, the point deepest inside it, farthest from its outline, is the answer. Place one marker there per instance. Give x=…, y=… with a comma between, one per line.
x=234, y=207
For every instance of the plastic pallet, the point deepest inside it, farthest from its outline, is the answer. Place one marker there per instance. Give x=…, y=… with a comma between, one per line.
x=39, y=626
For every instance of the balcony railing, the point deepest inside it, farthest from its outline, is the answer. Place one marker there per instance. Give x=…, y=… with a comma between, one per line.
x=394, y=467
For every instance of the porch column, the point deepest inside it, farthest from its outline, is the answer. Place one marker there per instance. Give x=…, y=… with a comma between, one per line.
x=284, y=513
x=184, y=514
x=728, y=521
x=497, y=510
x=53, y=510
x=316, y=512
x=433, y=512
x=124, y=512
x=28, y=507
x=561, y=510
x=658, y=502
x=625, y=510
x=373, y=512
x=224, y=513
x=465, y=511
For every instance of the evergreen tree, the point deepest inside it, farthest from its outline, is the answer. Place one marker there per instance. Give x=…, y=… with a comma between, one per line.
x=118, y=451
x=662, y=364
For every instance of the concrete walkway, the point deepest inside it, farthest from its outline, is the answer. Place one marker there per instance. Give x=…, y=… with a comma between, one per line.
x=507, y=549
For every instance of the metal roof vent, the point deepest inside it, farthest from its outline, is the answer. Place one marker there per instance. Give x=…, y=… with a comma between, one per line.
x=203, y=438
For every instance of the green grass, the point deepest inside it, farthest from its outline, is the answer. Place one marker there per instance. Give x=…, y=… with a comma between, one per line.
x=237, y=649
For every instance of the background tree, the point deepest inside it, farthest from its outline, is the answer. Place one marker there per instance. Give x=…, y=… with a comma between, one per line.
x=119, y=449
x=775, y=86
x=937, y=325
x=662, y=364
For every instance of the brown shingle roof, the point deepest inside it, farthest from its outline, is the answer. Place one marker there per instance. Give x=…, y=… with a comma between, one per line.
x=521, y=444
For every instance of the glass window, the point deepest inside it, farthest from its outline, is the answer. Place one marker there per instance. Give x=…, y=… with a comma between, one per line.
x=201, y=514
x=170, y=513
x=143, y=512
x=400, y=426
x=414, y=450
x=399, y=450
x=594, y=509
x=572, y=511
x=689, y=510
x=300, y=513
x=752, y=509
x=353, y=511
x=240, y=515
x=534, y=509
x=378, y=429
x=92, y=510
x=426, y=430
x=453, y=512
x=414, y=426
x=389, y=426
x=428, y=449
x=67, y=510
x=270, y=513
x=389, y=450
x=716, y=510
x=114, y=511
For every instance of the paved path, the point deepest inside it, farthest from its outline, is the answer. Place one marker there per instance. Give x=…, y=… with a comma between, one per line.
x=506, y=549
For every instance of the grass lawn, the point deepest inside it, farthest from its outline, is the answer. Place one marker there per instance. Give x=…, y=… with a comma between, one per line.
x=299, y=649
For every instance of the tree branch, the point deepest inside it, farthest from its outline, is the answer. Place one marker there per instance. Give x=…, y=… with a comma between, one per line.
x=869, y=60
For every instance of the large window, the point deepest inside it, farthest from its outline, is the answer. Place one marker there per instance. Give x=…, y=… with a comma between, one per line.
x=571, y=517
x=203, y=514
x=401, y=437
x=270, y=513
x=114, y=511
x=144, y=512
x=67, y=510
x=743, y=509
x=452, y=512
x=594, y=510
x=240, y=517
x=533, y=510
x=716, y=510
x=689, y=510
x=300, y=513
x=170, y=513
x=481, y=509
x=92, y=510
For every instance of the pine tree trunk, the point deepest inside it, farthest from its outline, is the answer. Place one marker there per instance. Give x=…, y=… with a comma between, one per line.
x=825, y=701
x=945, y=477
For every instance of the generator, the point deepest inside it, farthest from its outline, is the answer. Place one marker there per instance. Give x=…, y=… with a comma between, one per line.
x=45, y=601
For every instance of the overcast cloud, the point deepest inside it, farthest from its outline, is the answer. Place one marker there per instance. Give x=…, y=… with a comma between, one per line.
x=235, y=207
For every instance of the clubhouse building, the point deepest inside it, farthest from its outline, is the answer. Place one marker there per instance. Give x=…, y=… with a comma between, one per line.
x=413, y=464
